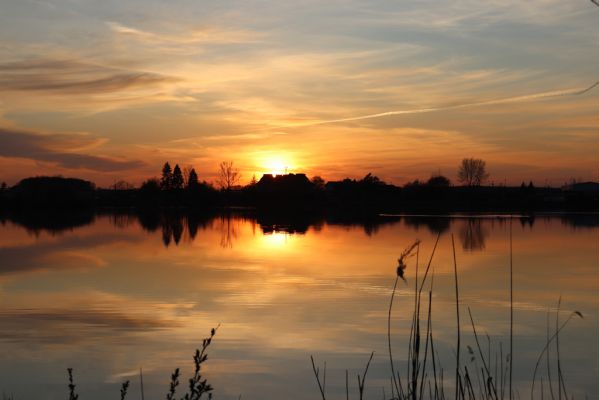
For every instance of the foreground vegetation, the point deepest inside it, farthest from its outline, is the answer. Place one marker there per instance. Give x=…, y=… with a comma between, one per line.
x=485, y=374
x=197, y=385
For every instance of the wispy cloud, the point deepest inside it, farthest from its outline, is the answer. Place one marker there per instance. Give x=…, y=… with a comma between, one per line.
x=474, y=15
x=62, y=149
x=194, y=36
x=72, y=77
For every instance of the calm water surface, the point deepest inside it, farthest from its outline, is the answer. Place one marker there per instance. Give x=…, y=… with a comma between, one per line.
x=118, y=294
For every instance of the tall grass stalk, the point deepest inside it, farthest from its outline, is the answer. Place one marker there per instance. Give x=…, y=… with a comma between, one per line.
x=547, y=346
x=511, y=393
x=321, y=385
x=401, y=266
x=141, y=383
x=457, y=310
x=362, y=380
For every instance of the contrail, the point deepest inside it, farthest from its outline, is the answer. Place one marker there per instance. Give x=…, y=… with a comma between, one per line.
x=536, y=96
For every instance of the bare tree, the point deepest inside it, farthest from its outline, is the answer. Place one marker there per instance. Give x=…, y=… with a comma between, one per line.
x=472, y=171
x=228, y=176
x=254, y=181
x=122, y=185
x=186, y=170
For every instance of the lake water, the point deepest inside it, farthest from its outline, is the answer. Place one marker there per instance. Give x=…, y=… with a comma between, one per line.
x=114, y=294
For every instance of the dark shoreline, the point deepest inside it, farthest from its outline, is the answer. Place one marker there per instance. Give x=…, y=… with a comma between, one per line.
x=294, y=196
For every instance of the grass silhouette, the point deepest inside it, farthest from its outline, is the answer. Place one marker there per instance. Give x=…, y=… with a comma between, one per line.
x=198, y=385
x=486, y=375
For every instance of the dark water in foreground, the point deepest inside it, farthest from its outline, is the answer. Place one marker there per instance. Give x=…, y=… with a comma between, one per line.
x=115, y=295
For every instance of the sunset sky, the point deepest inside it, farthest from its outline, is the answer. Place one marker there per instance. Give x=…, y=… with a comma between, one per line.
x=111, y=90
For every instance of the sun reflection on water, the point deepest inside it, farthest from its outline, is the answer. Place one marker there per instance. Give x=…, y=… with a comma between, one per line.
x=276, y=239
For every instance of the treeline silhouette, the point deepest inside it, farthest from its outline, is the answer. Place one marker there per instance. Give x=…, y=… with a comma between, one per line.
x=297, y=193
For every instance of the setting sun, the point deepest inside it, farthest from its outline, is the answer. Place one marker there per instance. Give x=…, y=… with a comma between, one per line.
x=279, y=163
x=277, y=166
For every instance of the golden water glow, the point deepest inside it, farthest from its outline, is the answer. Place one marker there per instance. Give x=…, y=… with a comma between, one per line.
x=322, y=292
x=275, y=239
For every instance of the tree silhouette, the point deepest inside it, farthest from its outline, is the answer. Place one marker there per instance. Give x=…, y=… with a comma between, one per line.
x=122, y=185
x=371, y=180
x=166, y=182
x=185, y=170
x=150, y=186
x=149, y=193
x=318, y=182
x=228, y=175
x=192, y=179
x=254, y=181
x=472, y=171
x=177, y=179
x=438, y=181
